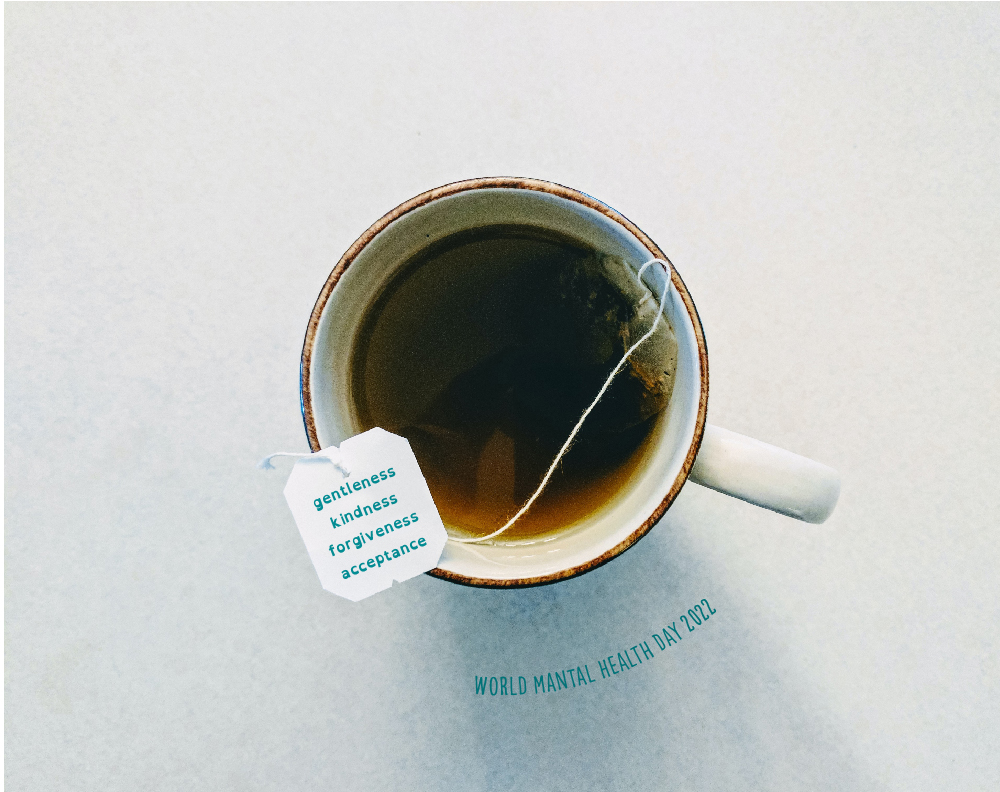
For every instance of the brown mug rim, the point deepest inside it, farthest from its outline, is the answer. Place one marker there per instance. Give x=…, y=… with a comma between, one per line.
x=538, y=185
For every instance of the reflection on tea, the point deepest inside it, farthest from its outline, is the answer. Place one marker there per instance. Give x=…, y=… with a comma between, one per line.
x=484, y=350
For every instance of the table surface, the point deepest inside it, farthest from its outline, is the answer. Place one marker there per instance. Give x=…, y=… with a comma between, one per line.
x=180, y=179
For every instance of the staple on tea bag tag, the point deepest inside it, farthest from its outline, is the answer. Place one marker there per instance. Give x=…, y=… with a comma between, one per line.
x=368, y=518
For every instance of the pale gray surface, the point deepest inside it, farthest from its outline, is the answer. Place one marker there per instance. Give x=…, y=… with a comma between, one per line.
x=179, y=182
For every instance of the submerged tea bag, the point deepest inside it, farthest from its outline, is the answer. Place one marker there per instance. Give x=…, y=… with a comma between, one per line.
x=611, y=310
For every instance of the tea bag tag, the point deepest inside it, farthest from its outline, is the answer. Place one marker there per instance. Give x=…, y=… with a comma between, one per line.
x=365, y=514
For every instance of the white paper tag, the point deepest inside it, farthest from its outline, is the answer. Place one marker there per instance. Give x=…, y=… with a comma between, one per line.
x=374, y=525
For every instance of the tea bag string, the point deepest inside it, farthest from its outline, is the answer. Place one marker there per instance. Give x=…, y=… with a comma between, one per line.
x=593, y=404
x=328, y=455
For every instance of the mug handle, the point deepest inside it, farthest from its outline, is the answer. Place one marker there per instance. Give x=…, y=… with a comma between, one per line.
x=765, y=475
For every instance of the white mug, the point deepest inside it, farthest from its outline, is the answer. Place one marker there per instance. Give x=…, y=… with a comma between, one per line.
x=684, y=446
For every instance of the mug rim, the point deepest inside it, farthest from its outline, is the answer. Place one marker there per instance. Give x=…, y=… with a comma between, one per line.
x=561, y=191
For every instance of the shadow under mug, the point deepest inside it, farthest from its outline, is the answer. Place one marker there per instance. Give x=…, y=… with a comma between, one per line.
x=684, y=446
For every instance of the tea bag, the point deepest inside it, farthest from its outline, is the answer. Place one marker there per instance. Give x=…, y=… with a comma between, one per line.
x=609, y=310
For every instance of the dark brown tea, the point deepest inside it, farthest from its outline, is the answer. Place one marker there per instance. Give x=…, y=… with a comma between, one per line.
x=484, y=351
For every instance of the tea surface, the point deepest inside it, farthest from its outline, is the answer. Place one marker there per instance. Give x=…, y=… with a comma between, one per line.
x=484, y=351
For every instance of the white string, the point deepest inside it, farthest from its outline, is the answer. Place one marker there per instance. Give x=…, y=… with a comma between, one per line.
x=326, y=455
x=265, y=463
x=593, y=404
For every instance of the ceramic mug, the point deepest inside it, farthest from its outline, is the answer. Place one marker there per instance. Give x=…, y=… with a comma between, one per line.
x=684, y=446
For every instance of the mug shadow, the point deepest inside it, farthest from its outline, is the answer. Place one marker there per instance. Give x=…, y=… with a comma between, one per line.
x=711, y=711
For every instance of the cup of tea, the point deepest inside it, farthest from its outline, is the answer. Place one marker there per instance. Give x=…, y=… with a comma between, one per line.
x=479, y=320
